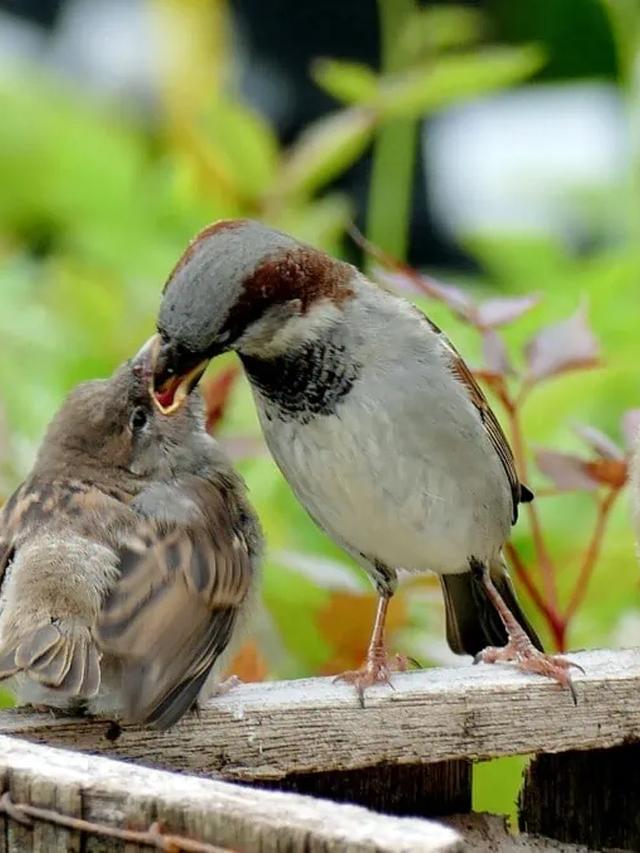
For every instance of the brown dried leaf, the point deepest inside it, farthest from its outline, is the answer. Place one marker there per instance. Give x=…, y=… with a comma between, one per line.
x=500, y=312
x=568, y=473
x=598, y=441
x=631, y=427
x=217, y=393
x=565, y=346
x=496, y=357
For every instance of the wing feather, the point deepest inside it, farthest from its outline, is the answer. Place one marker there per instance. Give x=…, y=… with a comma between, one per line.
x=172, y=613
x=460, y=370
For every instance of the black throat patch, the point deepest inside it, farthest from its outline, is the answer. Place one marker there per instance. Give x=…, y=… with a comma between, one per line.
x=305, y=383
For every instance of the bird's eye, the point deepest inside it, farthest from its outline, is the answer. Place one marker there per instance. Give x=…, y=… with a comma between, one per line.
x=164, y=336
x=139, y=418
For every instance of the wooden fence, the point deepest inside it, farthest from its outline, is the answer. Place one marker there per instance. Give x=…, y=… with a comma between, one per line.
x=300, y=766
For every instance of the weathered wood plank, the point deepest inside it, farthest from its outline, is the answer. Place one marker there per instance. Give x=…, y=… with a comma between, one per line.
x=222, y=814
x=590, y=798
x=418, y=790
x=487, y=833
x=270, y=731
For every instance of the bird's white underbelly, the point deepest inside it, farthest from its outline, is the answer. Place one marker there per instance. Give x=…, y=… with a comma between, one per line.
x=426, y=510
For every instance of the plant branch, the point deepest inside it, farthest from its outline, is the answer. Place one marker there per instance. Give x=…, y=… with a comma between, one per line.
x=592, y=553
x=523, y=574
x=24, y=814
x=545, y=563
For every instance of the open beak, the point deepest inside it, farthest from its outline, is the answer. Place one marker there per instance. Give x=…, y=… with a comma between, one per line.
x=171, y=381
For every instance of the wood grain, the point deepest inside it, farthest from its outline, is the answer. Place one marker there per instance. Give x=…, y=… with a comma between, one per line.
x=590, y=798
x=222, y=814
x=273, y=730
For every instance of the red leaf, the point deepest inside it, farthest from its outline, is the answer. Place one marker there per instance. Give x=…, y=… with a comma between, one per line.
x=398, y=281
x=501, y=312
x=496, y=357
x=569, y=345
x=598, y=441
x=609, y=472
x=568, y=473
x=631, y=427
x=454, y=298
x=217, y=393
x=407, y=280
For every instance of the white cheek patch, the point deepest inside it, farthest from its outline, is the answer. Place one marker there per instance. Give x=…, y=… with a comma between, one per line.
x=285, y=327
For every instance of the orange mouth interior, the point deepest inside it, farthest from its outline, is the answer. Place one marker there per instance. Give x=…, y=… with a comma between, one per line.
x=171, y=395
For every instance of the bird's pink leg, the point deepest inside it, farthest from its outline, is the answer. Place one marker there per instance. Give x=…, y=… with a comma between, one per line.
x=376, y=669
x=519, y=649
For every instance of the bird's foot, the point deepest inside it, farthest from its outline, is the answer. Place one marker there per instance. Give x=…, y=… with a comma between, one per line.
x=523, y=653
x=376, y=669
x=223, y=687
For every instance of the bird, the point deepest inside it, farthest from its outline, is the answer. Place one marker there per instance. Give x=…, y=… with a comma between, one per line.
x=128, y=557
x=373, y=418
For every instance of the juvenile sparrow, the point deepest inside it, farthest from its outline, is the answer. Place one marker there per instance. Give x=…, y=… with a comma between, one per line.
x=372, y=416
x=127, y=557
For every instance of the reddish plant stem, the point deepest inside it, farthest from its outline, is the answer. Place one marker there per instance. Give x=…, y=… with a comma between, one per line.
x=553, y=619
x=545, y=562
x=591, y=554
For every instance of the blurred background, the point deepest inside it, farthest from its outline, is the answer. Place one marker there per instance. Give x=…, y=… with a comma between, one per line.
x=495, y=146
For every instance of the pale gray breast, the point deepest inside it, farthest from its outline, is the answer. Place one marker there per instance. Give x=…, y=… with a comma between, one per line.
x=402, y=470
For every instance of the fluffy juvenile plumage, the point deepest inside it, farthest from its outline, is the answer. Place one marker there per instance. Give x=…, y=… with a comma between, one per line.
x=373, y=418
x=126, y=557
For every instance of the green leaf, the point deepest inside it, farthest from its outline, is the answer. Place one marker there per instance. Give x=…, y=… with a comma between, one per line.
x=321, y=222
x=454, y=78
x=624, y=18
x=350, y=82
x=324, y=150
x=242, y=144
x=439, y=28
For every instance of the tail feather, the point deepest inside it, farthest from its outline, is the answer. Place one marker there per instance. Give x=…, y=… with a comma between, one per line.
x=62, y=657
x=472, y=621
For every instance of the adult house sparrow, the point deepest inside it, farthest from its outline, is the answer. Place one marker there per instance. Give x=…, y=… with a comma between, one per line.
x=372, y=416
x=127, y=557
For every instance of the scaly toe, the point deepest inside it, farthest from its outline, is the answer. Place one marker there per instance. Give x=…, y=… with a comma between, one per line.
x=529, y=659
x=373, y=671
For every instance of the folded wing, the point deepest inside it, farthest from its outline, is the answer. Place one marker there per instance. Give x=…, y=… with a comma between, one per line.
x=173, y=610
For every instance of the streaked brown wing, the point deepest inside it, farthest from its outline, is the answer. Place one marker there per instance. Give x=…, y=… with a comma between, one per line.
x=10, y=515
x=172, y=612
x=489, y=420
x=54, y=656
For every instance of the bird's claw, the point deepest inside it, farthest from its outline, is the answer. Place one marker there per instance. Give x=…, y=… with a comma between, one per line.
x=529, y=659
x=375, y=670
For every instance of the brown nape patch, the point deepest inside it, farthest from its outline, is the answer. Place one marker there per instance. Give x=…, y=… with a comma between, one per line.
x=301, y=273
x=208, y=231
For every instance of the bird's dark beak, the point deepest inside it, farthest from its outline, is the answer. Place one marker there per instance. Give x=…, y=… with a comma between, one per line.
x=174, y=374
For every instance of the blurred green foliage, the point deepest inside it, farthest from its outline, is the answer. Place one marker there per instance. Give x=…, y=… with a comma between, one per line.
x=98, y=203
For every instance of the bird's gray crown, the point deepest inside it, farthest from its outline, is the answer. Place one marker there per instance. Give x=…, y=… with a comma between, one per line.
x=231, y=273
